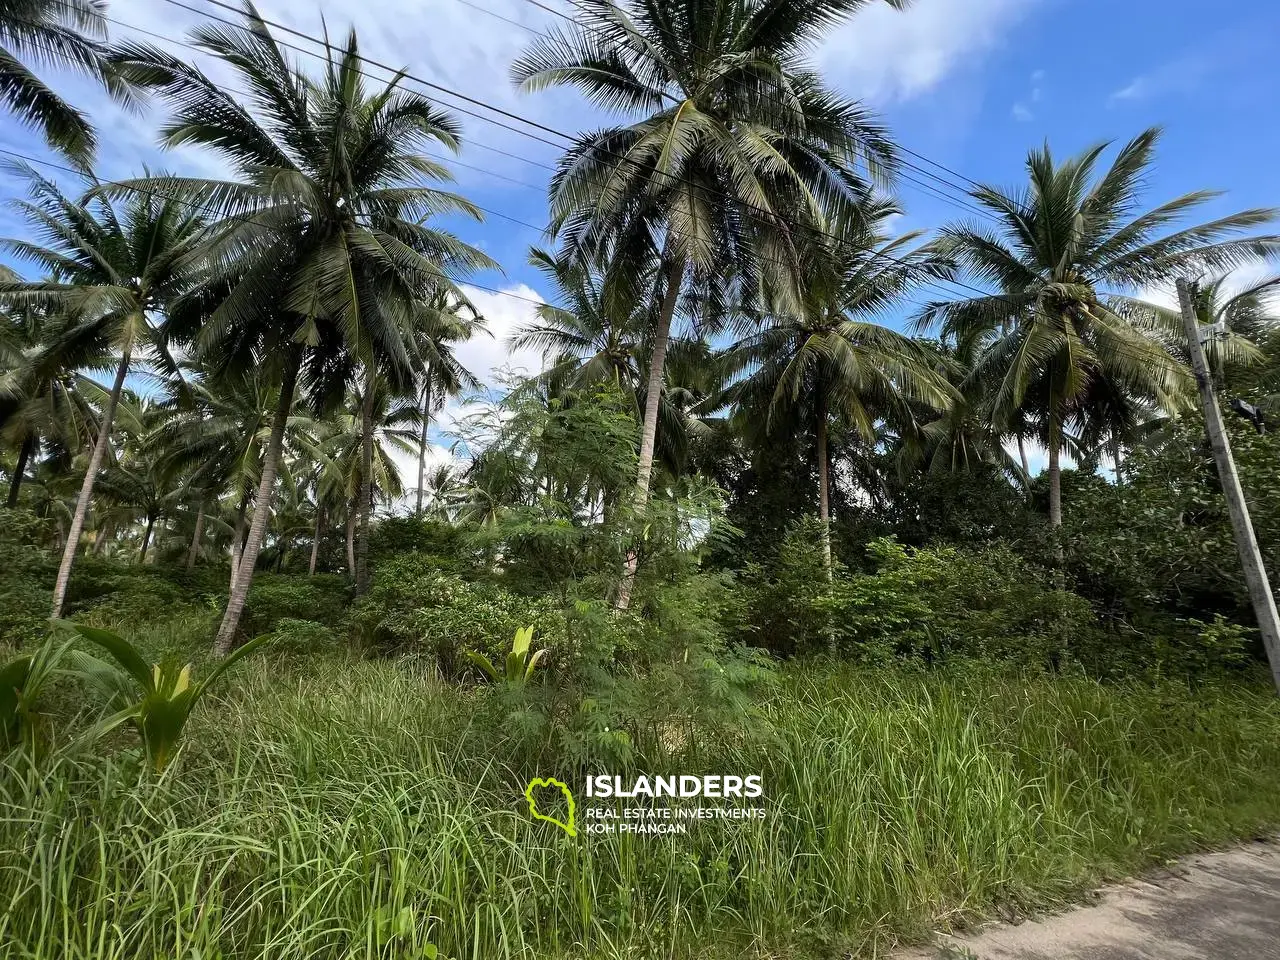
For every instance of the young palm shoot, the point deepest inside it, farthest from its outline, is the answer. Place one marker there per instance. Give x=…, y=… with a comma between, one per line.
x=520, y=661
x=166, y=694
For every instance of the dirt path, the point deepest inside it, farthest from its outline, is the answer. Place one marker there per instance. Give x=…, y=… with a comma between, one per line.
x=1219, y=906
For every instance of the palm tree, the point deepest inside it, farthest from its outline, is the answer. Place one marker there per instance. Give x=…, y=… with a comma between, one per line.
x=1235, y=324
x=64, y=33
x=342, y=440
x=42, y=391
x=138, y=481
x=593, y=337
x=1059, y=328
x=962, y=438
x=441, y=376
x=733, y=140
x=115, y=271
x=446, y=491
x=829, y=359
x=323, y=252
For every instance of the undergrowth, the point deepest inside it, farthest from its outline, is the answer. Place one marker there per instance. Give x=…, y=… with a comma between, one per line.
x=346, y=808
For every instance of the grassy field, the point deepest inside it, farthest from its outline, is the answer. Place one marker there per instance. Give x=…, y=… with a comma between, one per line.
x=350, y=809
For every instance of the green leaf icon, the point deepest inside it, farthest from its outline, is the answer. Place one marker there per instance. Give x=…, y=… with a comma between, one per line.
x=569, y=827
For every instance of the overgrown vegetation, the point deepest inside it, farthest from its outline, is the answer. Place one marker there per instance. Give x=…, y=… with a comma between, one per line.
x=318, y=803
x=735, y=524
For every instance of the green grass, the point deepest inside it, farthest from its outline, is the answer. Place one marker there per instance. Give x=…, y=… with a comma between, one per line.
x=348, y=809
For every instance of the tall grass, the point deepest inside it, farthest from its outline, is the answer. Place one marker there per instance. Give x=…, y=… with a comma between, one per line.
x=348, y=809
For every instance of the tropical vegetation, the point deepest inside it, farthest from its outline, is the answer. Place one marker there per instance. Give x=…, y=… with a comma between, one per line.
x=771, y=503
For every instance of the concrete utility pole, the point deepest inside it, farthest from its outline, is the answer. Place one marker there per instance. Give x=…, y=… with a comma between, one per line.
x=1255, y=574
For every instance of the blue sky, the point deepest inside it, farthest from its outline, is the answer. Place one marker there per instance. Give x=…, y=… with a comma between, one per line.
x=972, y=84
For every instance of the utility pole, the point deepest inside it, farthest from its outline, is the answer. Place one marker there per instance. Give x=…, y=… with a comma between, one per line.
x=1255, y=574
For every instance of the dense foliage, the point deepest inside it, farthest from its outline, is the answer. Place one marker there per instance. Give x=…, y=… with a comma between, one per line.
x=746, y=517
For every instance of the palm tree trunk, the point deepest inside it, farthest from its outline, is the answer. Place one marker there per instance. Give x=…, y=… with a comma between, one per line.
x=1022, y=455
x=238, y=538
x=351, y=540
x=824, y=481
x=86, y=488
x=366, y=485
x=146, y=540
x=649, y=429
x=1116, y=456
x=422, y=446
x=195, y=538
x=261, y=510
x=1055, y=473
x=28, y=444
x=100, y=540
x=315, y=542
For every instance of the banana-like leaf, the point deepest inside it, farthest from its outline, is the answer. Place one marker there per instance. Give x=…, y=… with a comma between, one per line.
x=515, y=667
x=533, y=662
x=522, y=640
x=124, y=652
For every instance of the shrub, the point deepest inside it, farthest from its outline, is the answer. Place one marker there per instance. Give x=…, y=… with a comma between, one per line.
x=127, y=598
x=941, y=602
x=394, y=536
x=303, y=637
x=779, y=605
x=415, y=607
x=276, y=597
x=24, y=610
x=928, y=603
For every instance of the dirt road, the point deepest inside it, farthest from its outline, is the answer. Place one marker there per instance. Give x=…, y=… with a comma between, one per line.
x=1220, y=906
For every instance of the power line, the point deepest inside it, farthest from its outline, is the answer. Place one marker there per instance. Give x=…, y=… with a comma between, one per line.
x=212, y=212
x=324, y=43
x=319, y=42
x=570, y=138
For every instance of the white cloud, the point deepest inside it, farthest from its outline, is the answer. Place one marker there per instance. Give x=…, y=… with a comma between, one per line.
x=1021, y=111
x=1178, y=76
x=488, y=356
x=886, y=55
x=451, y=44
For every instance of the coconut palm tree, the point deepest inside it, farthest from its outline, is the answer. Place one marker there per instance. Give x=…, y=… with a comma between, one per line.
x=323, y=251
x=396, y=420
x=732, y=148
x=115, y=273
x=962, y=437
x=61, y=33
x=1234, y=323
x=591, y=336
x=1066, y=251
x=137, y=481
x=447, y=321
x=446, y=490
x=42, y=388
x=597, y=334
x=830, y=359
